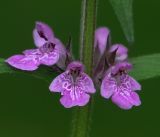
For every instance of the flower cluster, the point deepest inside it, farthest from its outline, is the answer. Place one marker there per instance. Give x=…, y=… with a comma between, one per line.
x=110, y=67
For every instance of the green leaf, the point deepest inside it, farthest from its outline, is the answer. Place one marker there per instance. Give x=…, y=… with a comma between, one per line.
x=4, y=68
x=43, y=72
x=123, y=10
x=146, y=67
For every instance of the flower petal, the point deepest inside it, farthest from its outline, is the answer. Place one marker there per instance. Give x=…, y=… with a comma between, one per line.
x=73, y=93
x=130, y=82
x=31, y=52
x=75, y=65
x=108, y=86
x=68, y=102
x=125, y=91
x=23, y=62
x=58, y=83
x=134, y=84
x=121, y=101
x=121, y=66
x=85, y=83
x=62, y=53
x=42, y=33
x=74, y=85
x=37, y=39
x=83, y=99
x=101, y=37
x=47, y=31
x=45, y=58
x=135, y=99
x=49, y=58
x=59, y=46
x=122, y=52
x=125, y=98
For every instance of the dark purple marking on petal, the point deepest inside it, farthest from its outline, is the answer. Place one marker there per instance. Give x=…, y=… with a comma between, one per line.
x=41, y=34
x=44, y=31
x=47, y=47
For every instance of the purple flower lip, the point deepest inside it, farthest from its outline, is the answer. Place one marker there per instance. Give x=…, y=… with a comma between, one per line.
x=74, y=86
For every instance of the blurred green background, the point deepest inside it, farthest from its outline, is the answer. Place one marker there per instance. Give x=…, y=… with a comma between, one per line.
x=28, y=109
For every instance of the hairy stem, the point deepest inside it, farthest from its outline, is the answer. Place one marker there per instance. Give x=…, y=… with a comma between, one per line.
x=82, y=115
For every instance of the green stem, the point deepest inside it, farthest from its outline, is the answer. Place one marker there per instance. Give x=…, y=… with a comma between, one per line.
x=88, y=22
x=82, y=115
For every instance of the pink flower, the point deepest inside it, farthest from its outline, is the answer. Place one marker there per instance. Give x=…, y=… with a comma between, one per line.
x=74, y=86
x=121, y=87
x=48, y=52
